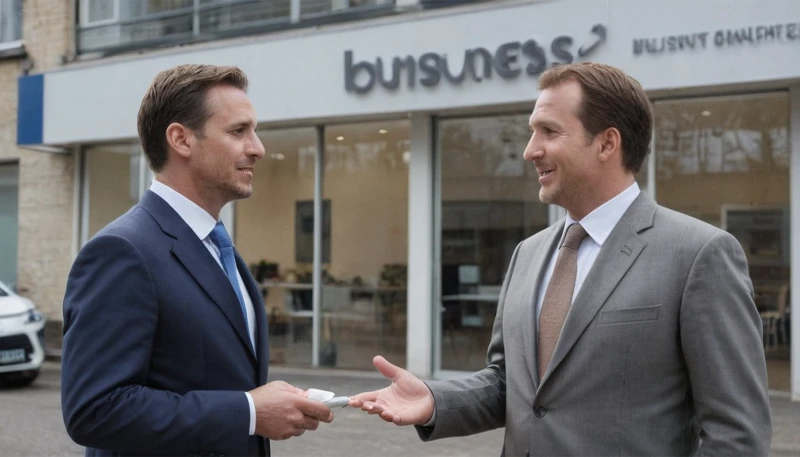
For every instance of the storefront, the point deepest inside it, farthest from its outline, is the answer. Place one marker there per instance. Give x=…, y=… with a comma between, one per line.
x=393, y=191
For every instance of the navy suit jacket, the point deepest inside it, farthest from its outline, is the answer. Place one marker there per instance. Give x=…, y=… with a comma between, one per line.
x=156, y=356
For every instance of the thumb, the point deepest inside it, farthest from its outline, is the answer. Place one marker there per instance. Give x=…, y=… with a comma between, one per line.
x=387, y=369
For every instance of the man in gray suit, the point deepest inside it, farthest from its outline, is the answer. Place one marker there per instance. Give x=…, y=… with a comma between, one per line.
x=625, y=329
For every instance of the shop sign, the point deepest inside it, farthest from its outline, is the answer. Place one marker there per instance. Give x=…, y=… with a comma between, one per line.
x=723, y=38
x=508, y=61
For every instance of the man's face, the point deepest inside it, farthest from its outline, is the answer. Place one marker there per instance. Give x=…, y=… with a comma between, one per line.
x=225, y=152
x=561, y=149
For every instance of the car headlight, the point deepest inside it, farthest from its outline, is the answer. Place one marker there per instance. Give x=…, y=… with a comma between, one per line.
x=34, y=317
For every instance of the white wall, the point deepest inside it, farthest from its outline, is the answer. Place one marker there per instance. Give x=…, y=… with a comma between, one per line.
x=300, y=75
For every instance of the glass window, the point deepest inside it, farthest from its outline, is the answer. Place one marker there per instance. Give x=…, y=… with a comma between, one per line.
x=725, y=160
x=489, y=203
x=254, y=14
x=10, y=20
x=99, y=11
x=364, y=289
x=115, y=25
x=112, y=173
x=9, y=222
x=266, y=230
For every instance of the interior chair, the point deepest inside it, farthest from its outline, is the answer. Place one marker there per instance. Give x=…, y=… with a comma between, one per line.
x=774, y=320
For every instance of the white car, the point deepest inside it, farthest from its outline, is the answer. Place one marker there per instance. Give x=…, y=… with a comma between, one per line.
x=21, y=339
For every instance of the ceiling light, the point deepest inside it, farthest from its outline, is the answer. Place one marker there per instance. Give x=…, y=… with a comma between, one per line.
x=705, y=113
x=383, y=131
x=339, y=138
x=280, y=156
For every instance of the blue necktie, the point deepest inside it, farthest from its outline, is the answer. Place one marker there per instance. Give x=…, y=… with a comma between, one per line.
x=219, y=236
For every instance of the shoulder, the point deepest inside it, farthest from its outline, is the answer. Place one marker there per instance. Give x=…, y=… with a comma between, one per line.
x=668, y=221
x=134, y=232
x=136, y=226
x=685, y=235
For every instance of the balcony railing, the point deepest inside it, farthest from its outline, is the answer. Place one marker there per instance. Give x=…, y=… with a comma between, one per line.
x=110, y=26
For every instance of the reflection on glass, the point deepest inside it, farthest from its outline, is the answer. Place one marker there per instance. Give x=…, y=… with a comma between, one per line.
x=228, y=16
x=364, y=290
x=489, y=204
x=265, y=237
x=725, y=160
x=112, y=172
x=9, y=221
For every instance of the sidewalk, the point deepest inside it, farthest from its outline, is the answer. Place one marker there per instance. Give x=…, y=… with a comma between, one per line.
x=785, y=426
x=354, y=433
x=785, y=417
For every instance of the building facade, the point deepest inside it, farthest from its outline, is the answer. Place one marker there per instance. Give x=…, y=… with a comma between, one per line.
x=37, y=204
x=393, y=191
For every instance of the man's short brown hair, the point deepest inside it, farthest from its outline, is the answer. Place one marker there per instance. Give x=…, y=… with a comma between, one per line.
x=179, y=95
x=610, y=98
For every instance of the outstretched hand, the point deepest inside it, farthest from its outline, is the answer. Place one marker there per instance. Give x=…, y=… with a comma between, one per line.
x=408, y=401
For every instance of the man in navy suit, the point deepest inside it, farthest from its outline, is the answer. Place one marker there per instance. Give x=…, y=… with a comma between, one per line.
x=165, y=333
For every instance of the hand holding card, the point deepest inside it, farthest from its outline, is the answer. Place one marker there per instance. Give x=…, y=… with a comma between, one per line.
x=328, y=398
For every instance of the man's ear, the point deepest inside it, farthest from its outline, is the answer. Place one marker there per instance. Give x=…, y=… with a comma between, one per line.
x=610, y=144
x=179, y=139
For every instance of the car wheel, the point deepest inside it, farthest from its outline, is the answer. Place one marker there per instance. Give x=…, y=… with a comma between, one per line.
x=21, y=379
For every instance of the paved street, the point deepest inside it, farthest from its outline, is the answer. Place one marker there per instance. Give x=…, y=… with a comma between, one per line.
x=31, y=425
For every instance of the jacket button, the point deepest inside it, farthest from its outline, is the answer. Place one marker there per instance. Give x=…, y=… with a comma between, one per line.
x=539, y=411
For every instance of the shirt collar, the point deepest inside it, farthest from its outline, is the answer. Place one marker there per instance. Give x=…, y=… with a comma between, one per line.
x=195, y=217
x=600, y=222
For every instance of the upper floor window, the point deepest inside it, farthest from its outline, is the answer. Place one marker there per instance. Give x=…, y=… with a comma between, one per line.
x=10, y=21
x=117, y=25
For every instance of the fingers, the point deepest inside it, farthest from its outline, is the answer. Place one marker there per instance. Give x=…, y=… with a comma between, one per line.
x=297, y=425
x=306, y=424
x=385, y=414
x=389, y=417
x=357, y=400
x=310, y=423
x=387, y=369
x=315, y=409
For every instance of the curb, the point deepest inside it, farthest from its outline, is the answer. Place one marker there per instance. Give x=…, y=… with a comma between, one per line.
x=52, y=355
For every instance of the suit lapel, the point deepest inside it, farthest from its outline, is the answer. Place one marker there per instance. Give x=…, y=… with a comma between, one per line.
x=194, y=256
x=616, y=256
x=537, y=265
x=262, y=329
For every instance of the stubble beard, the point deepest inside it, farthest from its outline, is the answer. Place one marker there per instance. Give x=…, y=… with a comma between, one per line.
x=548, y=196
x=234, y=192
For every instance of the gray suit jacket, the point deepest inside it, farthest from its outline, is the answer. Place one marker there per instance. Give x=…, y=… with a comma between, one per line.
x=660, y=354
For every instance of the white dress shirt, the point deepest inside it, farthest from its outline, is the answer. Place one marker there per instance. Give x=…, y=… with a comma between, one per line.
x=202, y=224
x=598, y=224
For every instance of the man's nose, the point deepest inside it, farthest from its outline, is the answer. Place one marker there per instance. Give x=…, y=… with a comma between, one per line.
x=533, y=150
x=257, y=147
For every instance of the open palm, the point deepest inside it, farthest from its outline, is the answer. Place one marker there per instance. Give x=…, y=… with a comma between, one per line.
x=408, y=401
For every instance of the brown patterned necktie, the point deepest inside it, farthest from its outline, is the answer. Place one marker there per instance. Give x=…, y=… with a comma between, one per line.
x=558, y=297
